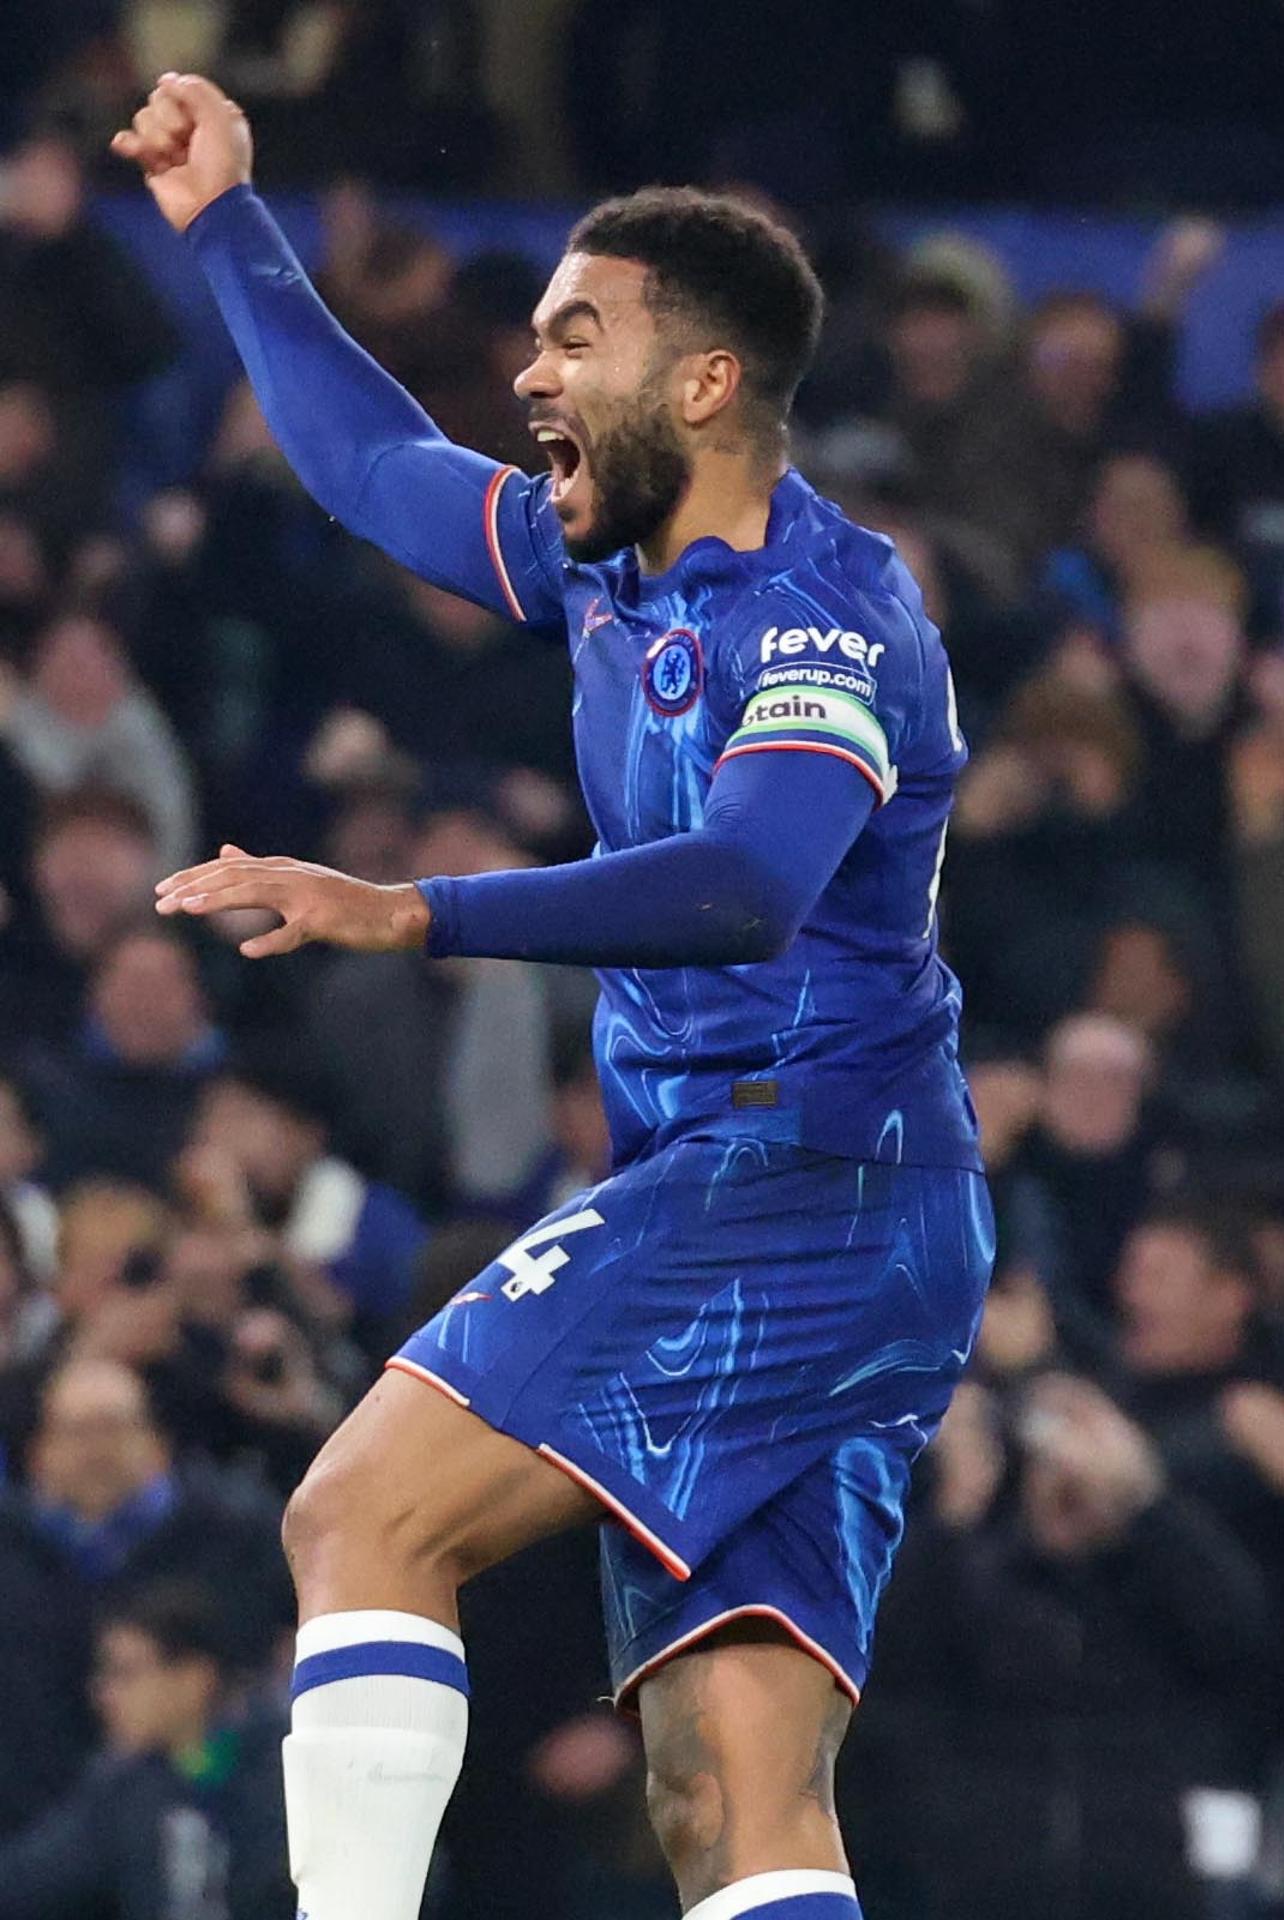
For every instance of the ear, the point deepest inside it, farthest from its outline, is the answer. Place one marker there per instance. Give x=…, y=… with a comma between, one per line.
x=710, y=382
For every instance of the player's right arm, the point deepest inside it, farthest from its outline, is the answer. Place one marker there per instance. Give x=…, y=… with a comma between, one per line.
x=360, y=444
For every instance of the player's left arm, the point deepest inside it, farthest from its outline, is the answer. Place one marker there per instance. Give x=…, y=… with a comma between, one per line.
x=809, y=753
x=734, y=891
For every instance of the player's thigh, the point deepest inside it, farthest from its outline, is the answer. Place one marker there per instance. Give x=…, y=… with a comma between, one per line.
x=741, y=1736
x=410, y=1475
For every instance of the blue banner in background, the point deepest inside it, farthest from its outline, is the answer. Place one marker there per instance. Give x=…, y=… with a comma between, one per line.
x=1041, y=251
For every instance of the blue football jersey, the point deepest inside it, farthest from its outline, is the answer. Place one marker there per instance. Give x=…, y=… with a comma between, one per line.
x=817, y=642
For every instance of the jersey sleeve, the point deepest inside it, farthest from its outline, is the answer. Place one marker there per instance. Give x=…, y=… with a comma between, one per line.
x=731, y=892
x=458, y=519
x=362, y=446
x=842, y=679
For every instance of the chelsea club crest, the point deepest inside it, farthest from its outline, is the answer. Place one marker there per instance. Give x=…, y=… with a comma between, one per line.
x=673, y=672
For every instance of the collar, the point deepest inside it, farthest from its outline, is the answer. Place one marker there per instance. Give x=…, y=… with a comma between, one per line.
x=711, y=558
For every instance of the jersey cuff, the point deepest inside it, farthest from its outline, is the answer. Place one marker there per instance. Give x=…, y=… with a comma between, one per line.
x=217, y=213
x=440, y=897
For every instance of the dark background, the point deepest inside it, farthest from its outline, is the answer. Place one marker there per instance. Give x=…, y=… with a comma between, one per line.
x=1053, y=369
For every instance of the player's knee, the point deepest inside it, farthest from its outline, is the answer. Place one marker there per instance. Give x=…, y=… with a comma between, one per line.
x=348, y=1512
x=338, y=1509
x=315, y=1516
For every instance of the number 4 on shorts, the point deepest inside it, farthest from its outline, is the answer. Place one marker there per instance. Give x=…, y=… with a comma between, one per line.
x=537, y=1276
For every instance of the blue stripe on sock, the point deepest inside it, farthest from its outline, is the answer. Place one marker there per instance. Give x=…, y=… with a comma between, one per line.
x=809, y=1906
x=408, y=1659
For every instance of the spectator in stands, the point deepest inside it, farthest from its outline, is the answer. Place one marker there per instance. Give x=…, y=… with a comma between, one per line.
x=952, y=399
x=284, y=595
x=279, y=1404
x=94, y=864
x=1042, y=845
x=385, y=281
x=229, y=1334
x=939, y=346
x=1141, y=980
x=122, y=1292
x=1095, y=379
x=495, y=294
x=1163, y=970
x=105, y=1510
x=76, y=316
x=266, y=1122
x=106, y=1495
x=117, y=1096
x=1185, y=655
x=1136, y=511
x=81, y=719
x=1205, y=1368
x=1055, y=1673
x=439, y=1074
x=375, y=789
x=182, y=1813
x=1019, y=1330
x=164, y=586
x=994, y=642
x=1082, y=1170
x=469, y=687
x=110, y=1236
x=1007, y=1092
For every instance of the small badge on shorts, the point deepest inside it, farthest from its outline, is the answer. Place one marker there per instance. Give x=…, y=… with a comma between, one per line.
x=755, y=1093
x=673, y=672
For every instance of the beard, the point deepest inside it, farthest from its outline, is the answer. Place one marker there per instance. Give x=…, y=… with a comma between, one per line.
x=640, y=472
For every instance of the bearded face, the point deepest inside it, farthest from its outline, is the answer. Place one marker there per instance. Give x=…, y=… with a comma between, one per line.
x=601, y=405
x=617, y=488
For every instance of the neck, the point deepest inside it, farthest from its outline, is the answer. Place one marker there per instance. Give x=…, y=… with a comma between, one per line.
x=729, y=498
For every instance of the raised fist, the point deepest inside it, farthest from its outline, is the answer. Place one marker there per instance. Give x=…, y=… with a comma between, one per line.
x=191, y=143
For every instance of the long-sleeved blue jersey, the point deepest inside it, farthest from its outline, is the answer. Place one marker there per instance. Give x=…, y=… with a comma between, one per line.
x=766, y=742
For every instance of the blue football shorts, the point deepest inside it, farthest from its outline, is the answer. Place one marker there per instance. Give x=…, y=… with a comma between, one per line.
x=739, y=1348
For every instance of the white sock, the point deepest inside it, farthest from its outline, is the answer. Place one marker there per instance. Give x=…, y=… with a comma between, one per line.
x=376, y=1743
x=798, y=1895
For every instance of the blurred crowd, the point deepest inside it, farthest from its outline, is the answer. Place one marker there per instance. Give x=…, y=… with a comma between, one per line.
x=929, y=99
x=227, y=1190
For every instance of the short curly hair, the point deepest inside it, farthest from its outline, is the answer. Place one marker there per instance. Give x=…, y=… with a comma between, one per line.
x=729, y=273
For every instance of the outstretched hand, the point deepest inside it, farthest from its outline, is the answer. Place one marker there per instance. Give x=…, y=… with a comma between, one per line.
x=191, y=143
x=314, y=903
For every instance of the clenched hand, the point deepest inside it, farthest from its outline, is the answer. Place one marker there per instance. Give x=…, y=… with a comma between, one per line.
x=191, y=143
x=314, y=902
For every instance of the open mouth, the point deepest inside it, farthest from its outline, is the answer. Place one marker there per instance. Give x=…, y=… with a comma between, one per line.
x=565, y=457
